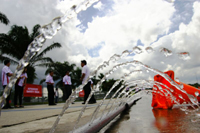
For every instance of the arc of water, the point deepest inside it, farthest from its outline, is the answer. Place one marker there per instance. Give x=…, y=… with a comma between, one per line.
x=124, y=87
x=114, y=85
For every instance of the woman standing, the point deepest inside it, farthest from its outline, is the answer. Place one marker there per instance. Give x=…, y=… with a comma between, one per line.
x=19, y=87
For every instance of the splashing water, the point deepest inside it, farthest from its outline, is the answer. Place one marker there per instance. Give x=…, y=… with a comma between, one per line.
x=166, y=51
x=149, y=49
x=184, y=55
x=137, y=50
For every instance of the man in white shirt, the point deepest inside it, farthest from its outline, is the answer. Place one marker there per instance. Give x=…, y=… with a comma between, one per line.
x=84, y=77
x=6, y=74
x=67, y=84
x=50, y=88
x=19, y=87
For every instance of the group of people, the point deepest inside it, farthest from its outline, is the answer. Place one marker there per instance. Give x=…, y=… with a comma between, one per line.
x=67, y=85
x=19, y=85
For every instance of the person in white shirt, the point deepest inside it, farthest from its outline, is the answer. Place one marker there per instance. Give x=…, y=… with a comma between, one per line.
x=50, y=88
x=84, y=77
x=67, y=84
x=6, y=74
x=19, y=86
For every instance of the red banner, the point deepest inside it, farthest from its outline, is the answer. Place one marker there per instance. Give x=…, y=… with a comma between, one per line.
x=32, y=90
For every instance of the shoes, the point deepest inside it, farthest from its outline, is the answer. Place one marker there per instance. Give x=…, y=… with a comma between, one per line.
x=73, y=103
x=9, y=107
x=21, y=106
x=83, y=103
x=52, y=104
x=92, y=102
x=16, y=106
x=5, y=107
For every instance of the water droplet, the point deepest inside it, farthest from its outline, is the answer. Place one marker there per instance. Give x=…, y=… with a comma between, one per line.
x=149, y=49
x=137, y=63
x=194, y=120
x=197, y=94
x=47, y=31
x=177, y=79
x=71, y=13
x=56, y=23
x=181, y=86
x=125, y=53
x=166, y=51
x=184, y=55
x=180, y=96
x=137, y=50
x=147, y=70
x=115, y=57
x=106, y=63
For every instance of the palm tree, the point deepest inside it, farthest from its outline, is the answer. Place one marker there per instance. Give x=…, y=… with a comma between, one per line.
x=4, y=19
x=60, y=70
x=15, y=43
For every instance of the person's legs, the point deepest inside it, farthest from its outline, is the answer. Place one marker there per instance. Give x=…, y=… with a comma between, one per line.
x=56, y=99
x=16, y=95
x=87, y=90
x=48, y=89
x=20, y=95
x=68, y=90
x=93, y=100
x=51, y=95
x=7, y=99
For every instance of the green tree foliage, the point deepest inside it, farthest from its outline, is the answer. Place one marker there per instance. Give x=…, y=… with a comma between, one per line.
x=107, y=84
x=15, y=43
x=4, y=19
x=195, y=85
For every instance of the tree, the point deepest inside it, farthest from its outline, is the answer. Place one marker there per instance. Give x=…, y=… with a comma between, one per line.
x=195, y=85
x=60, y=70
x=108, y=83
x=15, y=43
x=4, y=19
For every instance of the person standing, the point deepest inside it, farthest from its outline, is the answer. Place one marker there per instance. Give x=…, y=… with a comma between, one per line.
x=92, y=100
x=67, y=83
x=50, y=88
x=85, y=75
x=6, y=74
x=56, y=95
x=19, y=86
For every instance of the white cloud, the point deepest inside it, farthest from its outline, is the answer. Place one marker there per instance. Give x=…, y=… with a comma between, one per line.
x=98, y=6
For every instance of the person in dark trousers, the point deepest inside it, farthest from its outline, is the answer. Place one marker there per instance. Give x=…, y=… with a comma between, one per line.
x=67, y=83
x=50, y=88
x=92, y=100
x=6, y=74
x=85, y=75
x=56, y=95
x=19, y=86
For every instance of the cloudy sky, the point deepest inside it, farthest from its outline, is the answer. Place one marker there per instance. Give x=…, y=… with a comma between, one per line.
x=110, y=27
